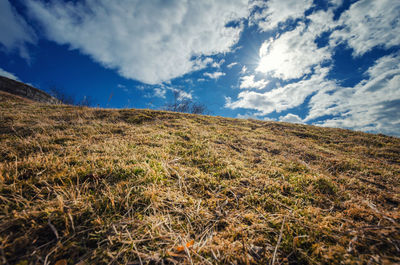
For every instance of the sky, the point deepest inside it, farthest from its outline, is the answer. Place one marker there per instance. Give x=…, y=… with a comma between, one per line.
x=333, y=63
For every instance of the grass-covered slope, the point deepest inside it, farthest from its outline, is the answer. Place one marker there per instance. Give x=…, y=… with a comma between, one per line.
x=94, y=186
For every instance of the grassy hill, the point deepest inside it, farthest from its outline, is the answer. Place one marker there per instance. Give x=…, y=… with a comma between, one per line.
x=94, y=186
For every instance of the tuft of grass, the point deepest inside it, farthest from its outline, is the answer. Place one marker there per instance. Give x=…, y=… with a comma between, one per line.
x=95, y=186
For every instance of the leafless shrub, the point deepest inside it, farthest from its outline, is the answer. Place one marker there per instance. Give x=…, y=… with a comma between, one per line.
x=180, y=104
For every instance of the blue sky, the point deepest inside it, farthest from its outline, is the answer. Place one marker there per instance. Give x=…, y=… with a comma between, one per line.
x=332, y=63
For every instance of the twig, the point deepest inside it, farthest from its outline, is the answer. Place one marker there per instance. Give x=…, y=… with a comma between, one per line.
x=134, y=246
x=137, y=253
x=16, y=167
x=188, y=253
x=48, y=255
x=214, y=256
x=279, y=241
x=373, y=207
x=54, y=230
x=194, y=252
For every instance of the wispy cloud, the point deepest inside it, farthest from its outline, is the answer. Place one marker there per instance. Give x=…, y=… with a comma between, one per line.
x=15, y=33
x=232, y=64
x=160, y=92
x=123, y=87
x=295, y=58
x=368, y=24
x=218, y=64
x=8, y=74
x=372, y=105
x=269, y=14
x=214, y=75
x=283, y=97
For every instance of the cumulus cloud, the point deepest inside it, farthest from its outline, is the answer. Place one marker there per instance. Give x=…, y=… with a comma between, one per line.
x=269, y=14
x=159, y=92
x=214, y=75
x=293, y=118
x=150, y=41
x=248, y=82
x=14, y=31
x=369, y=23
x=372, y=105
x=182, y=95
x=292, y=54
x=8, y=75
x=283, y=97
x=294, y=57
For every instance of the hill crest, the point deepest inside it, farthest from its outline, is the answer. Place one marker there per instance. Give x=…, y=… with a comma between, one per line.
x=131, y=186
x=23, y=90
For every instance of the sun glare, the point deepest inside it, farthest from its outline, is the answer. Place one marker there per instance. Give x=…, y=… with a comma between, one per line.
x=271, y=56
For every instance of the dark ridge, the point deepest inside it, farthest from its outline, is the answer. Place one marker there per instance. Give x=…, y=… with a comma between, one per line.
x=26, y=91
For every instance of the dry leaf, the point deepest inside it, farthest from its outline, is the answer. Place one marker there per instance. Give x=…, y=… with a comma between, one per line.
x=61, y=262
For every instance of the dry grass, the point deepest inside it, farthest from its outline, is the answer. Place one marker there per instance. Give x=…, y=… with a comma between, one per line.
x=93, y=186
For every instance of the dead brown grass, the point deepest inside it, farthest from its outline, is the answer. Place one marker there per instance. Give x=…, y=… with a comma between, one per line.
x=94, y=186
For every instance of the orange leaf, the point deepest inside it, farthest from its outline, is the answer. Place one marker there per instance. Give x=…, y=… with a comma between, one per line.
x=182, y=248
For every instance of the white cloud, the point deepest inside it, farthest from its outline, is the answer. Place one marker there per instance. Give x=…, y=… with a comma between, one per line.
x=14, y=31
x=214, y=75
x=244, y=69
x=293, y=118
x=284, y=97
x=293, y=54
x=369, y=23
x=273, y=12
x=321, y=21
x=248, y=82
x=218, y=64
x=123, y=87
x=159, y=92
x=8, y=75
x=335, y=3
x=182, y=95
x=231, y=65
x=141, y=87
x=372, y=105
x=247, y=115
x=150, y=41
